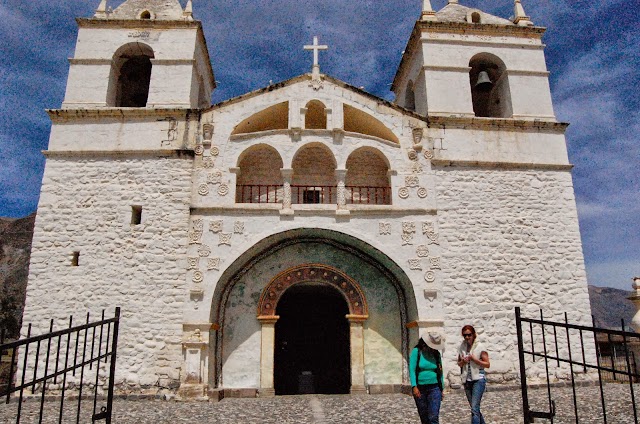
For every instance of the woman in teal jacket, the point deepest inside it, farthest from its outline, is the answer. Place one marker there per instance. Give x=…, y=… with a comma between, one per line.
x=427, y=381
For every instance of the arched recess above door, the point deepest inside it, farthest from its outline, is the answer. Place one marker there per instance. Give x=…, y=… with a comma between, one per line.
x=317, y=273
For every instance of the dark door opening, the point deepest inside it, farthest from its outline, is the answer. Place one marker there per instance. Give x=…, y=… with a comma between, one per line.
x=312, y=352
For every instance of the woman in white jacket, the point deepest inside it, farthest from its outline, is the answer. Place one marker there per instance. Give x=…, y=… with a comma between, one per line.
x=473, y=359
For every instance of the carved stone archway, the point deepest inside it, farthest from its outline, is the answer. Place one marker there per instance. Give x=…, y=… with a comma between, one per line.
x=358, y=314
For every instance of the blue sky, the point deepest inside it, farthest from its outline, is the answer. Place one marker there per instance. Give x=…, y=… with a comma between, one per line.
x=592, y=54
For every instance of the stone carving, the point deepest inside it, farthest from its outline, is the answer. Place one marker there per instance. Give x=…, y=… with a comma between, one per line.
x=427, y=227
x=213, y=264
x=194, y=237
x=411, y=181
x=204, y=251
x=435, y=263
x=224, y=238
x=403, y=192
x=433, y=238
x=195, y=337
x=413, y=155
x=203, y=190
x=408, y=227
x=428, y=154
x=207, y=131
x=238, y=227
x=197, y=224
x=417, y=135
x=422, y=192
x=415, y=264
x=385, y=228
x=208, y=162
x=429, y=277
x=215, y=226
x=407, y=239
x=416, y=168
x=192, y=263
x=215, y=151
x=422, y=251
x=214, y=177
x=223, y=190
x=199, y=150
x=198, y=276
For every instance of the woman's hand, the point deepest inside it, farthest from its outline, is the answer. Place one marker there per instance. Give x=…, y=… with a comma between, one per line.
x=416, y=392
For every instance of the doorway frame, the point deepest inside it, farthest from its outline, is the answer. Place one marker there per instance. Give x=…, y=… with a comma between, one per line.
x=357, y=316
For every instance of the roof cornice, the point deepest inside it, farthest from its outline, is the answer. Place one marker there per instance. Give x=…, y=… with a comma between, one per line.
x=136, y=23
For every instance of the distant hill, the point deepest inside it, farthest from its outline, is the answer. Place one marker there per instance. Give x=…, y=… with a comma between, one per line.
x=609, y=305
x=15, y=250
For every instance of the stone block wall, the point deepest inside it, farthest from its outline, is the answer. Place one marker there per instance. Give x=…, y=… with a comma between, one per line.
x=86, y=207
x=508, y=238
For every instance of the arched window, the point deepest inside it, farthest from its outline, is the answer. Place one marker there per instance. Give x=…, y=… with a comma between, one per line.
x=316, y=116
x=260, y=177
x=367, y=180
x=490, y=91
x=130, y=76
x=475, y=17
x=314, y=175
x=410, y=97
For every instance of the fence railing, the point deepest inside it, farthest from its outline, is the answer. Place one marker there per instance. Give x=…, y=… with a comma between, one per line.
x=75, y=363
x=572, y=349
x=307, y=194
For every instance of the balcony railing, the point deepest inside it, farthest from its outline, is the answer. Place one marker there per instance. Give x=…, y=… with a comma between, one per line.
x=305, y=194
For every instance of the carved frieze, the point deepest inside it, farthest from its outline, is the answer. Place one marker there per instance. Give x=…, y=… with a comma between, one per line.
x=195, y=237
x=213, y=264
x=403, y=192
x=429, y=277
x=238, y=227
x=422, y=192
x=216, y=226
x=192, y=263
x=411, y=181
x=385, y=228
x=198, y=276
x=415, y=264
x=204, y=251
x=223, y=190
x=224, y=238
x=422, y=251
x=203, y=190
x=435, y=263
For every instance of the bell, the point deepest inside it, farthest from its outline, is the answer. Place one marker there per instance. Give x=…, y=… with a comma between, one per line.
x=483, y=82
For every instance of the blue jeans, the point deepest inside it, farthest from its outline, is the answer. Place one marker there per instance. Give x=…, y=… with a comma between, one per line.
x=429, y=403
x=474, y=391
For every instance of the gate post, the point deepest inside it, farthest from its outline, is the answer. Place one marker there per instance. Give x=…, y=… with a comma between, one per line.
x=523, y=371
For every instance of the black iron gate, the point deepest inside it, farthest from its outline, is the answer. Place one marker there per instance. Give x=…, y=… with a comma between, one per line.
x=577, y=349
x=69, y=365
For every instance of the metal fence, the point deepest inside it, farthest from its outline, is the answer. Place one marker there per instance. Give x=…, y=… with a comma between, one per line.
x=561, y=348
x=71, y=365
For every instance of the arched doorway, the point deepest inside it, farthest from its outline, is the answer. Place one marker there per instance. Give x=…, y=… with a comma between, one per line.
x=312, y=341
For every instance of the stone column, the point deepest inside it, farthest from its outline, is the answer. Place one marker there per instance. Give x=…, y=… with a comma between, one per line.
x=356, y=329
x=267, y=349
x=635, y=298
x=287, y=175
x=341, y=175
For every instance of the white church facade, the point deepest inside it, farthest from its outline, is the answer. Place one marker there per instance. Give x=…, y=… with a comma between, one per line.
x=306, y=232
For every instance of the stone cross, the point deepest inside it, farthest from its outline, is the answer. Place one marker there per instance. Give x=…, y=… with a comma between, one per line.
x=316, y=48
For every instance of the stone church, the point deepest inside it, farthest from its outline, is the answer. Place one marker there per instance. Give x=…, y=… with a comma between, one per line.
x=299, y=238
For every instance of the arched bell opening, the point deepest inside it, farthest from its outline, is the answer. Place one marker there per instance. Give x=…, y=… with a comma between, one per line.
x=490, y=90
x=130, y=78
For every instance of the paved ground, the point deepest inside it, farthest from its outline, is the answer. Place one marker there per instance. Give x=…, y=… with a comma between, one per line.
x=498, y=407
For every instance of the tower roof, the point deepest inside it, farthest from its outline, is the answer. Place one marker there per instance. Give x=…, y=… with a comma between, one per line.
x=158, y=9
x=454, y=12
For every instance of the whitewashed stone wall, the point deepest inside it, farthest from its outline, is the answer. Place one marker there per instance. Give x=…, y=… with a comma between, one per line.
x=85, y=206
x=508, y=238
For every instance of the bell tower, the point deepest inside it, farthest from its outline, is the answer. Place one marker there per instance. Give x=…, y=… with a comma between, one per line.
x=143, y=54
x=461, y=61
